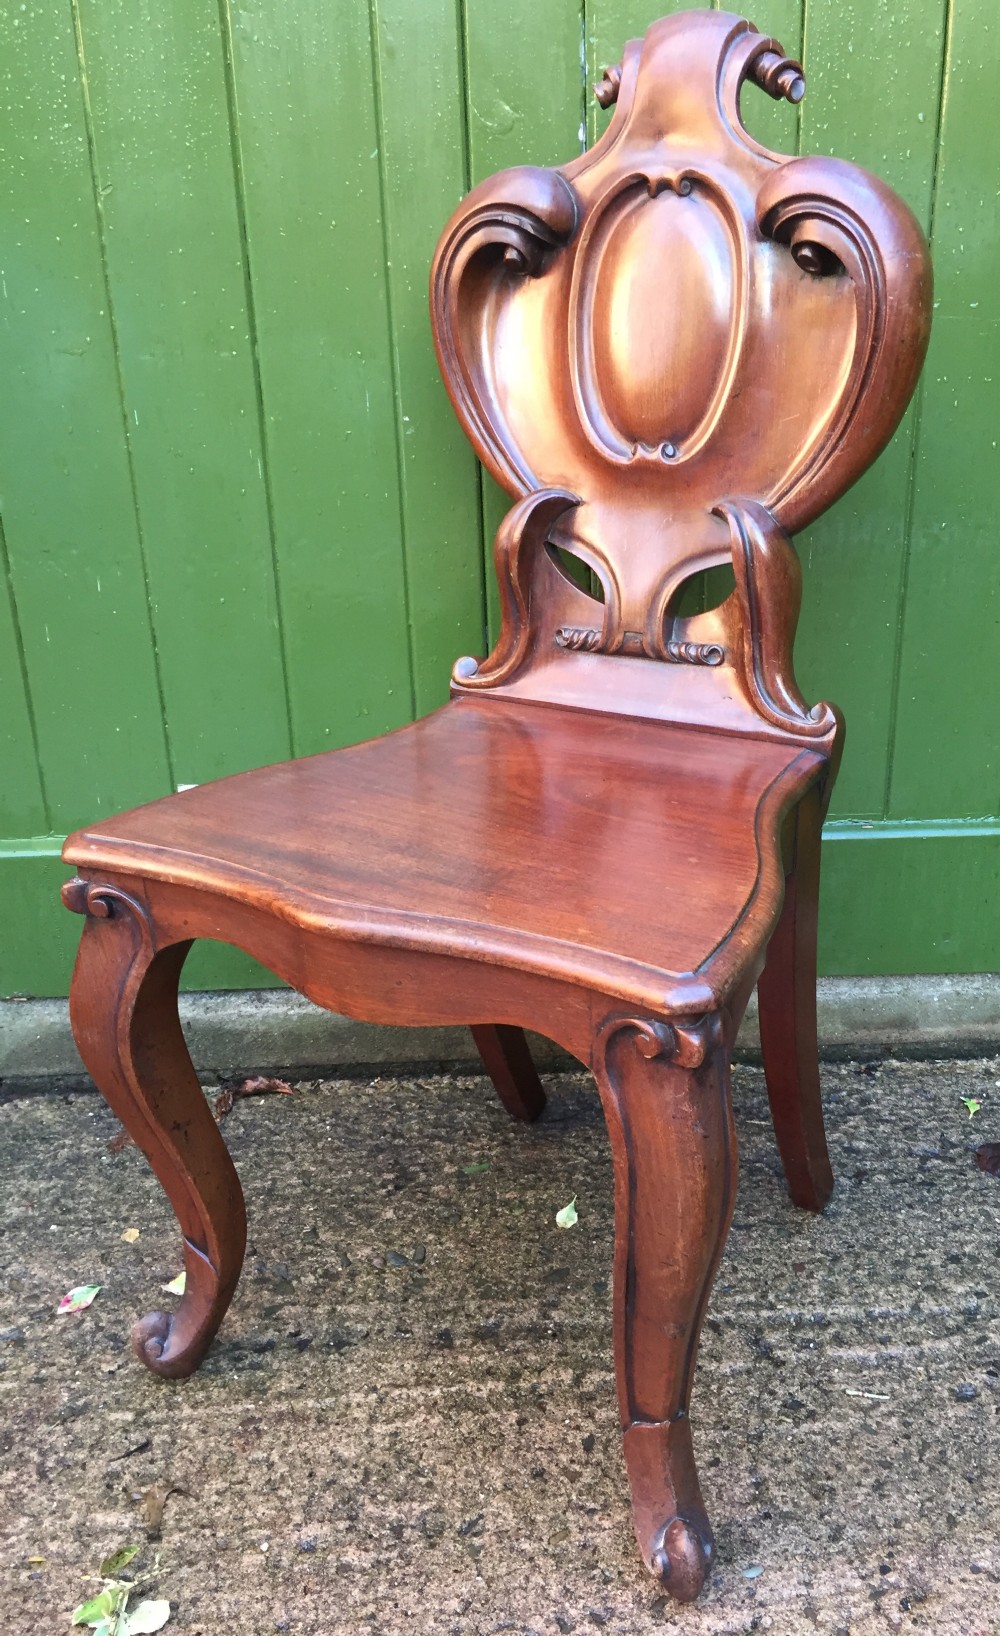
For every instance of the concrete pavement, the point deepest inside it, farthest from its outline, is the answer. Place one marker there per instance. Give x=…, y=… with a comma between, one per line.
x=408, y=1423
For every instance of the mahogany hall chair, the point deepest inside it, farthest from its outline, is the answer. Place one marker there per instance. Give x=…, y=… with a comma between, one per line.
x=673, y=353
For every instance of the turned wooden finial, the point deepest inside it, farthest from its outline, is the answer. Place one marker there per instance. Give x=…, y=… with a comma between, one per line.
x=779, y=76
x=607, y=88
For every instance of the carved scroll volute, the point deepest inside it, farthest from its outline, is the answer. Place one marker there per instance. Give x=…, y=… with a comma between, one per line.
x=768, y=594
x=507, y=229
x=838, y=220
x=100, y=900
x=522, y=534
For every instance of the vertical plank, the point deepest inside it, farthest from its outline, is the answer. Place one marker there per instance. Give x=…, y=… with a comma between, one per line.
x=874, y=84
x=308, y=146
x=69, y=517
x=524, y=85
x=39, y=959
x=420, y=89
x=947, y=745
x=157, y=89
x=525, y=101
x=23, y=809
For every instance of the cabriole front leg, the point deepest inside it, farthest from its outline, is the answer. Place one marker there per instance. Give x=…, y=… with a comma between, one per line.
x=123, y=1008
x=665, y=1090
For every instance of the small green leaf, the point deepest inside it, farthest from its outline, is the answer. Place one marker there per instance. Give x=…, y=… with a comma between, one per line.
x=96, y=1610
x=118, y=1560
x=176, y=1285
x=972, y=1105
x=146, y=1617
x=474, y=1170
x=567, y=1216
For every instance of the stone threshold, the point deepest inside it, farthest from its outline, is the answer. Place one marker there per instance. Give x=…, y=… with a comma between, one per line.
x=276, y=1030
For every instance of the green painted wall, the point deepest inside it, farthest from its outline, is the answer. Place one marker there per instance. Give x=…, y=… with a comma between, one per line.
x=237, y=519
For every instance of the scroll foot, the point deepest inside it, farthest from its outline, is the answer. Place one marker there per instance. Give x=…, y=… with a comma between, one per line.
x=668, y=1513
x=172, y=1344
x=123, y=1006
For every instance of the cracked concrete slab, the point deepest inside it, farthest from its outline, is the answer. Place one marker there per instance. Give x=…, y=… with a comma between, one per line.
x=408, y=1422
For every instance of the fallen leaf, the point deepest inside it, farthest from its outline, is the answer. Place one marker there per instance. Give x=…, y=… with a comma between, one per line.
x=255, y=1085
x=130, y=1235
x=972, y=1105
x=120, y=1139
x=76, y=1299
x=96, y=1611
x=113, y=1564
x=261, y=1085
x=567, y=1216
x=475, y=1170
x=146, y=1617
x=176, y=1285
x=152, y=1502
x=988, y=1158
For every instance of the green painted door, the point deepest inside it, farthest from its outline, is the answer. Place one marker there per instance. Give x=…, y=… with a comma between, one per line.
x=237, y=518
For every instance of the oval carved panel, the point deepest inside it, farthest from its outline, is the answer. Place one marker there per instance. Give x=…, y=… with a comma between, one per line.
x=656, y=318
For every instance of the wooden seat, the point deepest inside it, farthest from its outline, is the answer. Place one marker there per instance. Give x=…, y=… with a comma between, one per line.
x=650, y=844
x=673, y=352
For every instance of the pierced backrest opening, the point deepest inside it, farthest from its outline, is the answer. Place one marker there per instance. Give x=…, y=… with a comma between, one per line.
x=674, y=352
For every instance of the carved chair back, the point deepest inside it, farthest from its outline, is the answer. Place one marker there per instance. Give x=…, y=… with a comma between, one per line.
x=674, y=352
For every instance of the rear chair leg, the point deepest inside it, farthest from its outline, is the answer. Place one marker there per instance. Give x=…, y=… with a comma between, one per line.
x=123, y=1007
x=786, y=992
x=508, y=1062
x=665, y=1090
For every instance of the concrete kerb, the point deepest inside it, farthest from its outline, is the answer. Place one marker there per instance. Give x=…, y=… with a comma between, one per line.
x=277, y=1030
